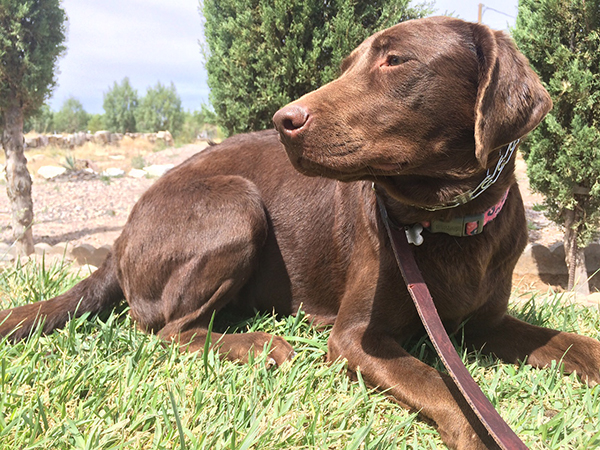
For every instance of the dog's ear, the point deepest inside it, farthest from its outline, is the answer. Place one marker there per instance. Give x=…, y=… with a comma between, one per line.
x=511, y=101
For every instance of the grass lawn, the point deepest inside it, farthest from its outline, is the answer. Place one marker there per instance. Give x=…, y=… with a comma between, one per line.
x=101, y=384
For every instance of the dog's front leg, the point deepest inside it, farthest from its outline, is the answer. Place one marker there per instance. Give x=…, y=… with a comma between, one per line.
x=384, y=364
x=515, y=341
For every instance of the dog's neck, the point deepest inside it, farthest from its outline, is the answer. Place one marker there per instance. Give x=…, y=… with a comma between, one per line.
x=486, y=192
x=492, y=175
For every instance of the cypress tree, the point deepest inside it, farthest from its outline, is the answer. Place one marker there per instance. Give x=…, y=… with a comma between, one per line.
x=263, y=54
x=32, y=33
x=561, y=39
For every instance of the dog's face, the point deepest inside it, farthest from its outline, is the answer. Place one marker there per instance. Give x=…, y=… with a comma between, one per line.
x=430, y=97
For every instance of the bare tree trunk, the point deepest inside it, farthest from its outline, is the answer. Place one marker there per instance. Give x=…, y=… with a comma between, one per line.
x=575, y=257
x=18, y=180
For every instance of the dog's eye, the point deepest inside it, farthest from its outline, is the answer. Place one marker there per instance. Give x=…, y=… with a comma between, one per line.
x=395, y=60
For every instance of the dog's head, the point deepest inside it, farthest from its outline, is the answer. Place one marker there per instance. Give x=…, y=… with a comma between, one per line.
x=426, y=98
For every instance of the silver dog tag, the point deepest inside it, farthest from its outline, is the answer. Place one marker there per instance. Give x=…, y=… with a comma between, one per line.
x=413, y=234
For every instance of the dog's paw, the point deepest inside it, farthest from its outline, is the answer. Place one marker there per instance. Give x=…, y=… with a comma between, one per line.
x=462, y=434
x=469, y=440
x=577, y=354
x=239, y=347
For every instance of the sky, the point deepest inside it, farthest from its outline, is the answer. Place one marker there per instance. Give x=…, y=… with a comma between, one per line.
x=153, y=41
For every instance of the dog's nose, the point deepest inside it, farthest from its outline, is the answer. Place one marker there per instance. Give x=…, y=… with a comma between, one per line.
x=291, y=120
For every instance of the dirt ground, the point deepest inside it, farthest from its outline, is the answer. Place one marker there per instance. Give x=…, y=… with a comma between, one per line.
x=87, y=209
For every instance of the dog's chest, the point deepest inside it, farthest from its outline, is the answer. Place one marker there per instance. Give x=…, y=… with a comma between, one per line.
x=464, y=274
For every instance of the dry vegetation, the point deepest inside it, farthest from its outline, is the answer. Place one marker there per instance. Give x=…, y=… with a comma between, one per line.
x=126, y=155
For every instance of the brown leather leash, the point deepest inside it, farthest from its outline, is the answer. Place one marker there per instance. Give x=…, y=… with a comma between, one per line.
x=504, y=436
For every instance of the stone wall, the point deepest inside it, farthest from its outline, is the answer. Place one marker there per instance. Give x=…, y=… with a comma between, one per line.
x=79, y=255
x=538, y=261
x=99, y=137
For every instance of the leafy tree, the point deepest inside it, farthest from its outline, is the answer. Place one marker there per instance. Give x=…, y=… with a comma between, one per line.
x=160, y=109
x=561, y=39
x=95, y=123
x=72, y=117
x=42, y=121
x=264, y=53
x=32, y=33
x=120, y=103
x=199, y=124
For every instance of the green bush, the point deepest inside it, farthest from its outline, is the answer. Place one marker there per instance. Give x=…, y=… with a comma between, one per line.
x=42, y=121
x=263, y=54
x=96, y=122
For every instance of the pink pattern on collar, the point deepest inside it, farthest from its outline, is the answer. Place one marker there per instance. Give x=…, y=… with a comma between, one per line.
x=460, y=227
x=489, y=215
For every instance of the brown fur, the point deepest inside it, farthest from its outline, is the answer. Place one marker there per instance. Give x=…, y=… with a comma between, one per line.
x=237, y=226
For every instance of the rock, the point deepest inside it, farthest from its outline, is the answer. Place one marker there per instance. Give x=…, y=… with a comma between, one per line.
x=49, y=172
x=42, y=248
x=113, y=172
x=69, y=140
x=150, y=137
x=88, y=254
x=165, y=137
x=100, y=255
x=87, y=269
x=137, y=173
x=526, y=264
x=59, y=250
x=45, y=252
x=593, y=299
x=6, y=257
x=102, y=137
x=158, y=170
x=6, y=252
x=592, y=257
x=56, y=140
x=32, y=142
x=42, y=140
x=538, y=259
x=79, y=138
x=82, y=253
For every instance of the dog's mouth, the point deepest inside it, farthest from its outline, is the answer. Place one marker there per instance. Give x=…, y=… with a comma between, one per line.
x=387, y=169
x=312, y=169
x=371, y=172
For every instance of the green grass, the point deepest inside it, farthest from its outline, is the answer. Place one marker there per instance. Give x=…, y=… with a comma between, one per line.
x=102, y=384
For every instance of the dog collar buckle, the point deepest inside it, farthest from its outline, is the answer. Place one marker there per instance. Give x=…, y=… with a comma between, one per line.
x=460, y=226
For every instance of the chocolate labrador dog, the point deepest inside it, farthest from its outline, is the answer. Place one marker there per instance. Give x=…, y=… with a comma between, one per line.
x=428, y=113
